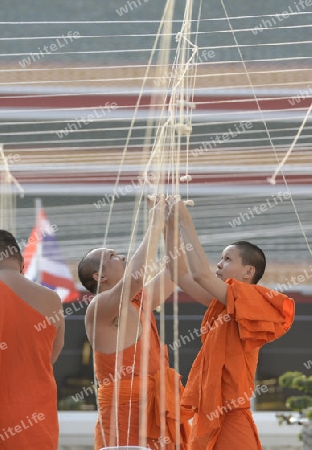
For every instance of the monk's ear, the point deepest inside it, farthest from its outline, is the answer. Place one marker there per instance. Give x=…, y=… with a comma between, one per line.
x=95, y=277
x=249, y=273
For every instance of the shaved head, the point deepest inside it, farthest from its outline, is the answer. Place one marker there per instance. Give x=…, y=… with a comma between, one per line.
x=252, y=255
x=90, y=264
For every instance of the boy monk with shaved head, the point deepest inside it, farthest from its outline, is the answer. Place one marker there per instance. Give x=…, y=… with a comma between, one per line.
x=28, y=411
x=241, y=318
x=137, y=396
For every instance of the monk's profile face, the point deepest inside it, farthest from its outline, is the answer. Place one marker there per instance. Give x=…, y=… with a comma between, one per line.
x=231, y=266
x=113, y=266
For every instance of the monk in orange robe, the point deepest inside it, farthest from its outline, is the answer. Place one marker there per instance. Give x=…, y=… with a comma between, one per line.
x=29, y=345
x=138, y=394
x=241, y=317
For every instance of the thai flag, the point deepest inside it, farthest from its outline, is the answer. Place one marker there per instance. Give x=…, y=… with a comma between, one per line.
x=43, y=261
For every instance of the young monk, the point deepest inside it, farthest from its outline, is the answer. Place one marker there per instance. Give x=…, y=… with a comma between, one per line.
x=137, y=397
x=240, y=319
x=29, y=345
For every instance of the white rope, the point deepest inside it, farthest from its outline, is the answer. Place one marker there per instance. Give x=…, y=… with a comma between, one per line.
x=16, y=83
x=109, y=119
x=125, y=107
x=142, y=127
x=165, y=131
x=114, y=22
x=139, y=139
x=267, y=130
x=134, y=146
x=137, y=50
x=110, y=213
x=236, y=30
x=75, y=94
x=272, y=179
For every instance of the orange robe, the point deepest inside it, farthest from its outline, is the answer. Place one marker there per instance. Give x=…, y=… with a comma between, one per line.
x=221, y=380
x=121, y=425
x=28, y=410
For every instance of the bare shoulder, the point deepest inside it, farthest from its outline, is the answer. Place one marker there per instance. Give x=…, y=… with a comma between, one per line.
x=41, y=298
x=102, y=329
x=90, y=309
x=50, y=295
x=93, y=310
x=106, y=304
x=45, y=294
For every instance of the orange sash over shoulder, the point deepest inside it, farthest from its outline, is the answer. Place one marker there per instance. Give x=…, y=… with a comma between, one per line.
x=224, y=369
x=262, y=315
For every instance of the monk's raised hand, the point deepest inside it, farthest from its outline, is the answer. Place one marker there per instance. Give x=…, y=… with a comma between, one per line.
x=151, y=200
x=157, y=211
x=172, y=210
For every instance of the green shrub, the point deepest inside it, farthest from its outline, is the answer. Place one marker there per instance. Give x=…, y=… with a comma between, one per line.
x=299, y=381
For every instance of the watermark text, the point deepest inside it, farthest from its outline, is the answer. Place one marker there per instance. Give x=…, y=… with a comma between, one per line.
x=77, y=124
x=221, y=139
x=3, y=345
x=274, y=19
x=49, y=49
x=240, y=401
x=268, y=204
x=22, y=425
x=183, y=340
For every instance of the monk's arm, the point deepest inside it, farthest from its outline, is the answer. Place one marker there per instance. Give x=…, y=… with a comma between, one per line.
x=108, y=302
x=58, y=344
x=197, y=261
x=177, y=264
x=159, y=288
